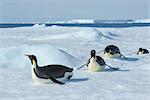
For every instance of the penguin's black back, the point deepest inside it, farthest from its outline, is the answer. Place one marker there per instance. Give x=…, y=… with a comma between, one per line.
x=100, y=60
x=113, y=48
x=145, y=51
x=57, y=71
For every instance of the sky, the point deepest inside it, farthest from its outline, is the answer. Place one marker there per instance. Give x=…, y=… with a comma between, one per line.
x=59, y=10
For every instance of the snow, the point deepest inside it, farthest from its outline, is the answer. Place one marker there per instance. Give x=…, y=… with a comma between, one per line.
x=70, y=46
x=84, y=21
x=142, y=21
x=89, y=34
x=46, y=54
x=77, y=21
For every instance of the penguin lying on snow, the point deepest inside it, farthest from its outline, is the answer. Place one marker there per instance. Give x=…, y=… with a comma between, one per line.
x=112, y=51
x=50, y=73
x=95, y=63
x=142, y=51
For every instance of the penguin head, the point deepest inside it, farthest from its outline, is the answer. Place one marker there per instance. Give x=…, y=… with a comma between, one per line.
x=140, y=49
x=107, y=50
x=93, y=53
x=32, y=58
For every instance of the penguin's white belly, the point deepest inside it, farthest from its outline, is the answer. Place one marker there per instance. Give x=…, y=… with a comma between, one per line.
x=44, y=81
x=108, y=55
x=140, y=53
x=95, y=67
x=67, y=74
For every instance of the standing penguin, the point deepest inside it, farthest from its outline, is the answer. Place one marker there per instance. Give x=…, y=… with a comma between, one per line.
x=95, y=63
x=50, y=73
x=142, y=51
x=112, y=51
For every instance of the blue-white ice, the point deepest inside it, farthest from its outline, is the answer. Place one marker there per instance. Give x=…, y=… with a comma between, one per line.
x=70, y=46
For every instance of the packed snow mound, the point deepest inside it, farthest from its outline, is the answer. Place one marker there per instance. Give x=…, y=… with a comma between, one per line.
x=109, y=34
x=46, y=54
x=88, y=34
x=77, y=21
x=39, y=25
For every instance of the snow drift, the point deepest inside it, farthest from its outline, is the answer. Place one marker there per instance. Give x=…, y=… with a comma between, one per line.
x=88, y=34
x=46, y=54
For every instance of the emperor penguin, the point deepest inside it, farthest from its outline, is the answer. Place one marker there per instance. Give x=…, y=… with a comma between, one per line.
x=49, y=73
x=142, y=51
x=95, y=63
x=112, y=51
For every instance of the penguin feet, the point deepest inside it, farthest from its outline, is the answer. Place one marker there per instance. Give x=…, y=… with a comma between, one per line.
x=69, y=77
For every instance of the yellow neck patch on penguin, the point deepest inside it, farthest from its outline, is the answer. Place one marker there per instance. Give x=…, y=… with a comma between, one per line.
x=33, y=63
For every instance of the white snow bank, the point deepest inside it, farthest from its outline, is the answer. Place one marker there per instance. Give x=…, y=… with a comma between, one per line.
x=88, y=34
x=77, y=21
x=46, y=54
x=142, y=21
x=109, y=35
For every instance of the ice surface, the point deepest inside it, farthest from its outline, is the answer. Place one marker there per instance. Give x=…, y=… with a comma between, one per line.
x=71, y=46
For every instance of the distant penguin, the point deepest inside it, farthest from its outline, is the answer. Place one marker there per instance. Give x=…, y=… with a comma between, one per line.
x=112, y=51
x=50, y=73
x=95, y=63
x=142, y=51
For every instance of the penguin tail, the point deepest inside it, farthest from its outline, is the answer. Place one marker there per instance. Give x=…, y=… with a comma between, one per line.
x=72, y=69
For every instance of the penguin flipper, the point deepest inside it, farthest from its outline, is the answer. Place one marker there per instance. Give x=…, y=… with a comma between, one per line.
x=100, y=60
x=55, y=80
x=88, y=63
x=146, y=51
x=48, y=77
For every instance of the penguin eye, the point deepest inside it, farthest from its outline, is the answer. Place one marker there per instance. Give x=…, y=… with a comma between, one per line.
x=31, y=57
x=107, y=50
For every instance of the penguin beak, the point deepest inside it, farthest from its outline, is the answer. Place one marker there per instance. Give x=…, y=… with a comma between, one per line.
x=27, y=55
